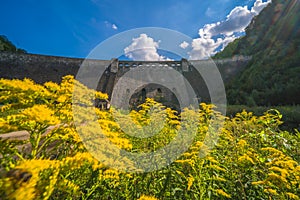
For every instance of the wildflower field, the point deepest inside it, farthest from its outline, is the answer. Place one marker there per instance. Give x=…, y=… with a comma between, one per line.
x=252, y=159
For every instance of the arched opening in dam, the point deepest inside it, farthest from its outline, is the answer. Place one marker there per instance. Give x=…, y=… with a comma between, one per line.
x=157, y=92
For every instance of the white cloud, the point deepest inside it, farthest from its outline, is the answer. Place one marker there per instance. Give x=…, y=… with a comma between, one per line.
x=205, y=47
x=113, y=26
x=110, y=25
x=236, y=22
x=258, y=6
x=144, y=48
x=184, y=45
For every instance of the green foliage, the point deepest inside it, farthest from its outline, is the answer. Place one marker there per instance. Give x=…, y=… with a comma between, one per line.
x=6, y=45
x=273, y=41
x=229, y=51
x=291, y=114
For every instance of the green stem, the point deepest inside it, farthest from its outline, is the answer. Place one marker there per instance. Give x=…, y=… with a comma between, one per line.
x=36, y=141
x=19, y=155
x=167, y=180
x=91, y=191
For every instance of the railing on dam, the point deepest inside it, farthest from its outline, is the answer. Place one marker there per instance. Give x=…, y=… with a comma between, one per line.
x=149, y=63
x=183, y=64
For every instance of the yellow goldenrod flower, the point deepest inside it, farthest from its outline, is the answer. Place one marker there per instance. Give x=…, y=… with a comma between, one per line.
x=271, y=149
x=292, y=196
x=258, y=183
x=271, y=191
x=190, y=182
x=40, y=114
x=284, y=173
x=246, y=158
x=218, y=168
x=111, y=174
x=275, y=177
x=186, y=161
x=217, y=178
x=212, y=160
x=222, y=193
x=242, y=143
x=144, y=197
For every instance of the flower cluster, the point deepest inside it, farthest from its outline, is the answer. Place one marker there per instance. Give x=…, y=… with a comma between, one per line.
x=252, y=158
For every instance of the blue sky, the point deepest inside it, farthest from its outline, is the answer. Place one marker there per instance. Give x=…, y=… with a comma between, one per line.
x=74, y=28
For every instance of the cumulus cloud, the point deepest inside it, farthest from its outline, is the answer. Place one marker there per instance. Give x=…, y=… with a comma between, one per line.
x=258, y=6
x=113, y=26
x=184, y=45
x=144, y=48
x=205, y=47
x=236, y=22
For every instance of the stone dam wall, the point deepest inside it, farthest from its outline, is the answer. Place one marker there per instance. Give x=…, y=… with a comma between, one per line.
x=41, y=69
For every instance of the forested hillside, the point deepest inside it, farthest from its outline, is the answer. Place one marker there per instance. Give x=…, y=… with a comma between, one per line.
x=273, y=39
x=6, y=45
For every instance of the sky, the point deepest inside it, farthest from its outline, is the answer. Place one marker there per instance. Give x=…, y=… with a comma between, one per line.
x=73, y=28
